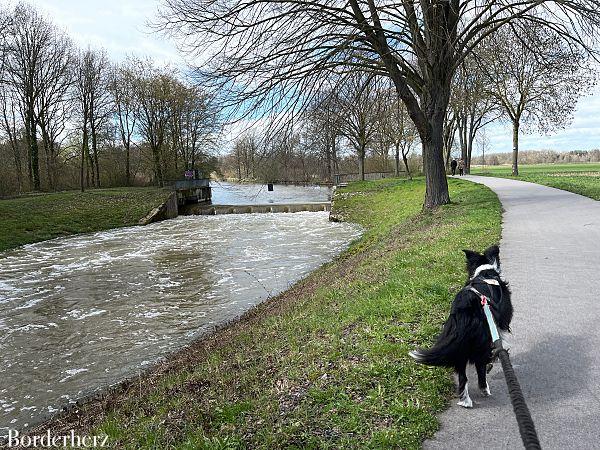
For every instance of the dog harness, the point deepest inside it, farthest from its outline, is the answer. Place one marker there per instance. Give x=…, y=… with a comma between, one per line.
x=485, y=303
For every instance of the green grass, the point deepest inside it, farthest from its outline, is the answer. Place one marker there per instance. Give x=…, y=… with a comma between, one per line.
x=325, y=364
x=582, y=178
x=34, y=218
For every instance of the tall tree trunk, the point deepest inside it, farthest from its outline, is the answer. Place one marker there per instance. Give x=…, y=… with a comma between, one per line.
x=405, y=160
x=18, y=166
x=462, y=136
x=515, y=154
x=436, y=184
x=90, y=166
x=14, y=144
x=28, y=142
x=334, y=156
x=49, y=161
x=34, y=161
x=397, y=160
x=84, y=144
x=469, y=152
x=328, y=152
x=157, y=166
x=361, y=164
x=95, y=166
x=127, y=167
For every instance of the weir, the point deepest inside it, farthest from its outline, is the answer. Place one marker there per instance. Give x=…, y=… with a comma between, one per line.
x=196, y=197
x=208, y=209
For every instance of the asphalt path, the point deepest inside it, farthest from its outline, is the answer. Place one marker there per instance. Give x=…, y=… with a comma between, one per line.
x=550, y=255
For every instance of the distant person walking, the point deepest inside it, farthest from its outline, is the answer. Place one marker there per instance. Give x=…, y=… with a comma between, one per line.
x=453, y=165
x=461, y=167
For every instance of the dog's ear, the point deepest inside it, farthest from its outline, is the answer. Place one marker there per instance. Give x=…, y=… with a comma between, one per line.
x=492, y=253
x=472, y=257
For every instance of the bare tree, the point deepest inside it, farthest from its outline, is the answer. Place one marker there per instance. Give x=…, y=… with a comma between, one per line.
x=246, y=154
x=153, y=90
x=357, y=100
x=12, y=128
x=30, y=43
x=450, y=129
x=535, y=78
x=53, y=104
x=273, y=54
x=122, y=88
x=200, y=127
x=323, y=127
x=98, y=71
x=95, y=107
x=473, y=106
x=397, y=129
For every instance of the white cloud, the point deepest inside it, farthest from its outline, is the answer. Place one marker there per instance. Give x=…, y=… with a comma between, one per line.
x=119, y=26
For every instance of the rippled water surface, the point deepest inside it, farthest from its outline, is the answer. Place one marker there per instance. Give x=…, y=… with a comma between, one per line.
x=257, y=194
x=83, y=312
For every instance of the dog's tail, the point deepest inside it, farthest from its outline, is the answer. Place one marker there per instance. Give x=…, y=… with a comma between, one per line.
x=446, y=349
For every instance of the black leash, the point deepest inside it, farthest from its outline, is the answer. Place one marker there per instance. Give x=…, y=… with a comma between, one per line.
x=524, y=420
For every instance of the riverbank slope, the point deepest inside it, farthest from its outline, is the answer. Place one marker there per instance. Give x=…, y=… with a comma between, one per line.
x=325, y=364
x=37, y=217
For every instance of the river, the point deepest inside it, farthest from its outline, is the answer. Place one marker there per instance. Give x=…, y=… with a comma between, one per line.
x=83, y=312
x=224, y=193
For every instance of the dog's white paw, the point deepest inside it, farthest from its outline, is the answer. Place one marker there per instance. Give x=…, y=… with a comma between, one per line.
x=466, y=403
x=486, y=391
x=465, y=399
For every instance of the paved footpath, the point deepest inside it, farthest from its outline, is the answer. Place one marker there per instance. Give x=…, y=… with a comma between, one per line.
x=550, y=255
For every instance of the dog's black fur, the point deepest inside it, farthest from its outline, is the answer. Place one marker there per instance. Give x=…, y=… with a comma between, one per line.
x=466, y=337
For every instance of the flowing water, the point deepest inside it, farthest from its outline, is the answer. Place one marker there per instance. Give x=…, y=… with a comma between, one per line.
x=83, y=312
x=224, y=193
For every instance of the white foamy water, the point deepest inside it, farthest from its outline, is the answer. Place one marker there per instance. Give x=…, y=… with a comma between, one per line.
x=81, y=313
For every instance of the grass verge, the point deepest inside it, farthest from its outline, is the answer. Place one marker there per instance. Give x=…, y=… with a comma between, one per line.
x=583, y=179
x=324, y=364
x=35, y=218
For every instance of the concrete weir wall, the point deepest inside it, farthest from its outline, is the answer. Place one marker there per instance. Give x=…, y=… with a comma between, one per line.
x=168, y=210
x=200, y=209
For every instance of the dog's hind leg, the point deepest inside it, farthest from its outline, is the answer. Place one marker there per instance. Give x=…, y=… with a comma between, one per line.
x=463, y=386
x=482, y=378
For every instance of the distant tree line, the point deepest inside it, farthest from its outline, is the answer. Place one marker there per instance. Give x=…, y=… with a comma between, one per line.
x=541, y=157
x=356, y=127
x=71, y=118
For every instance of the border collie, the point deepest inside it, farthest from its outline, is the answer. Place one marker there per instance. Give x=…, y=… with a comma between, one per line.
x=466, y=337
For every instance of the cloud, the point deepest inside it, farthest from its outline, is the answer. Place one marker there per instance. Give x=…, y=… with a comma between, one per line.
x=119, y=26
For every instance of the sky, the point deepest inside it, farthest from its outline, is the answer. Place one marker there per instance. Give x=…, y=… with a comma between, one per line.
x=120, y=26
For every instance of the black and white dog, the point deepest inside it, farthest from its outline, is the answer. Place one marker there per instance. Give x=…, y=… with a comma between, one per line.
x=466, y=337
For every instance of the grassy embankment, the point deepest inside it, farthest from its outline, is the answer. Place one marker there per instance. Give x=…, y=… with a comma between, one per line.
x=325, y=364
x=34, y=218
x=582, y=179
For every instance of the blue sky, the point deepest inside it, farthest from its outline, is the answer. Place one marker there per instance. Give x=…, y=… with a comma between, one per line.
x=120, y=27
